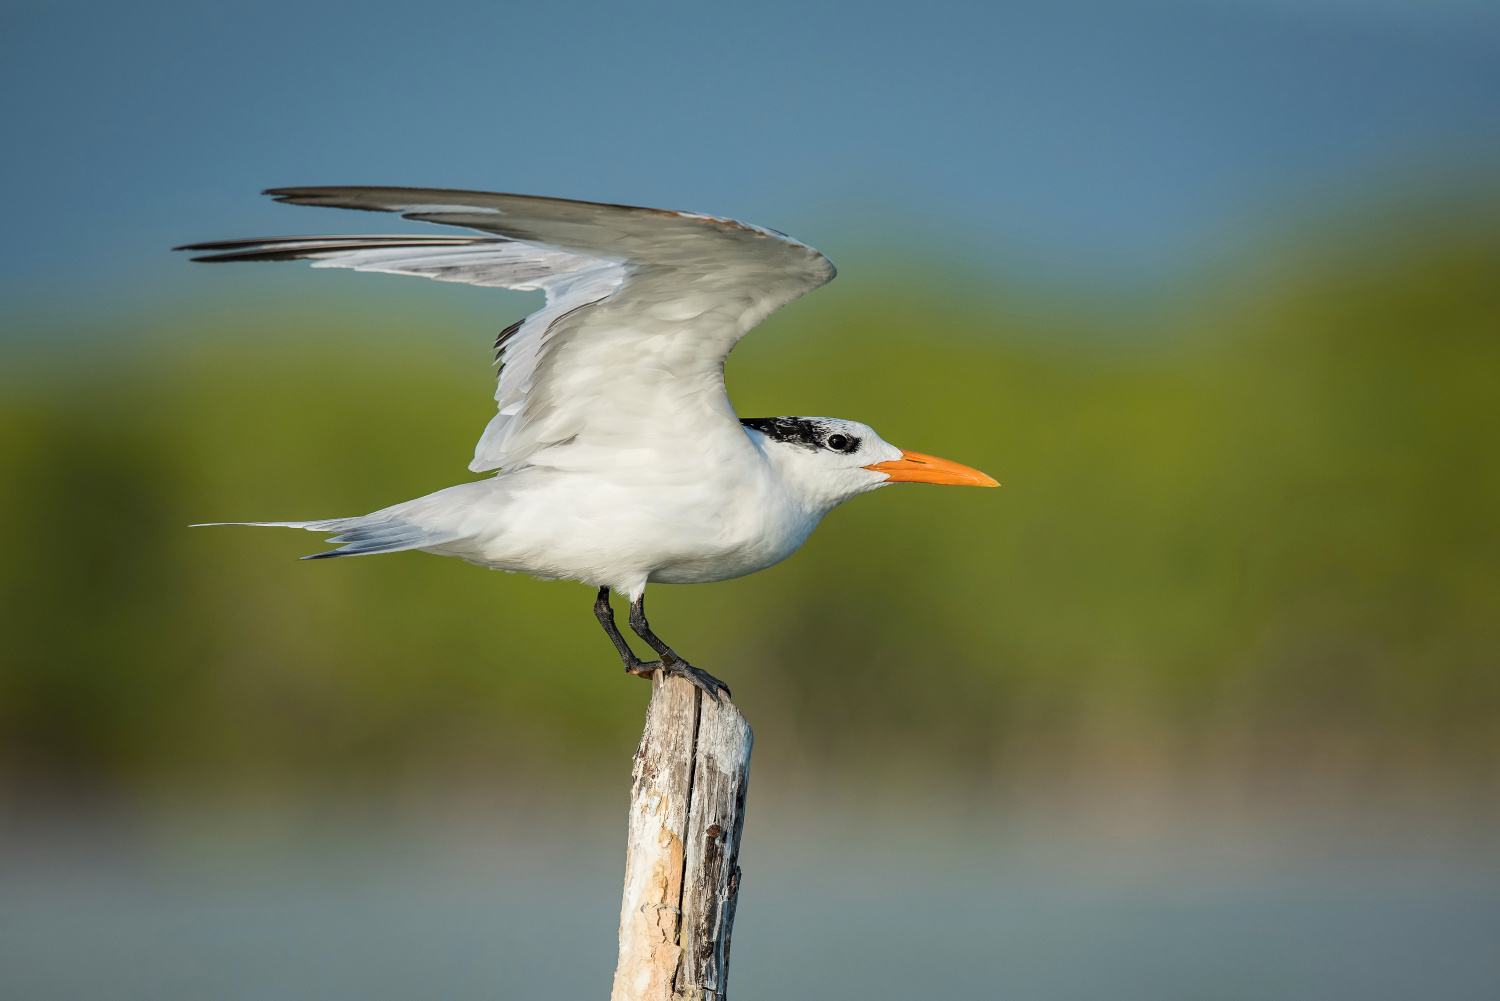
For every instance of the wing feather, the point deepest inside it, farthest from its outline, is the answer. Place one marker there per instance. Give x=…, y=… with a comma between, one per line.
x=643, y=305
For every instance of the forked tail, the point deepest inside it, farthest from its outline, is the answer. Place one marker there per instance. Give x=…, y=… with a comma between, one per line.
x=362, y=536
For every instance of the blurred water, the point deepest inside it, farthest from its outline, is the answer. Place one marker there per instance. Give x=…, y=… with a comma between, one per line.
x=831, y=907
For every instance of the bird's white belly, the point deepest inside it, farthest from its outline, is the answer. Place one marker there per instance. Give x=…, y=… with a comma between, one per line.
x=726, y=557
x=601, y=531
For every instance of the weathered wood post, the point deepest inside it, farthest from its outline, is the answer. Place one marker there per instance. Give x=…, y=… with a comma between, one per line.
x=687, y=809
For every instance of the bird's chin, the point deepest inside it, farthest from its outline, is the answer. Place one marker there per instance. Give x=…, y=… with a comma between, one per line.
x=829, y=494
x=863, y=483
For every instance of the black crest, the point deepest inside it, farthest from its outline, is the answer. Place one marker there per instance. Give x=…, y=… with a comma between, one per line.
x=804, y=432
x=792, y=430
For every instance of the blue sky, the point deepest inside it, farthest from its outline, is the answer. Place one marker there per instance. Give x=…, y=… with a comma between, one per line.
x=1098, y=141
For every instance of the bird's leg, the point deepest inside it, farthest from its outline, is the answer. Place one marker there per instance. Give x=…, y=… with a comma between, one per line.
x=670, y=662
x=606, y=616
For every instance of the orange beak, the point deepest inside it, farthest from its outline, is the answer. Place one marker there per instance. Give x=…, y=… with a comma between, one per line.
x=914, y=467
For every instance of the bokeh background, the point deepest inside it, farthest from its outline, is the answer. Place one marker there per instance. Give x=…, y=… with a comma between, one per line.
x=1204, y=703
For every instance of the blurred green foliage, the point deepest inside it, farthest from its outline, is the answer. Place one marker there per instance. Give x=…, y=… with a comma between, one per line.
x=1265, y=531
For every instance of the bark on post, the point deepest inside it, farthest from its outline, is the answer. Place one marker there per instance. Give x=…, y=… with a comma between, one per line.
x=687, y=809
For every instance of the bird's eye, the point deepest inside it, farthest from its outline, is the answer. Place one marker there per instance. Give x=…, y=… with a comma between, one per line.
x=838, y=442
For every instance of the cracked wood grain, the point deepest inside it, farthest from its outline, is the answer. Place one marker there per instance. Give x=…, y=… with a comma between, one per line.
x=687, y=810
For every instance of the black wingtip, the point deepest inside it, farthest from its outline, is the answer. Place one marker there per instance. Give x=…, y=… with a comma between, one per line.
x=200, y=247
x=343, y=196
x=296, y=248
x=297, y=196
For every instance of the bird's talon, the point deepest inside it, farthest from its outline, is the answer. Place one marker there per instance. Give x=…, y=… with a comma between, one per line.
x=706, y=682
x=643, y=669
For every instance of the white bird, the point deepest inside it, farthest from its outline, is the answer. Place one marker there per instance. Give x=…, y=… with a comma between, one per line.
x=620, y=459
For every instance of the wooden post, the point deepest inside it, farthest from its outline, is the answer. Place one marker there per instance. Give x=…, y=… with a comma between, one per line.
x=687, y=809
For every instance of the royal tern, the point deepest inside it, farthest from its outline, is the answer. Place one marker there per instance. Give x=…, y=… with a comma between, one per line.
x=619, y=459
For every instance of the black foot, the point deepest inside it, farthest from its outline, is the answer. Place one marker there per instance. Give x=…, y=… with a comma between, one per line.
x=710, y=685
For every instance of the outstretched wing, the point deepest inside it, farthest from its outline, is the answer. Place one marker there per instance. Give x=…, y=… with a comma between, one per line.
x=643, y=305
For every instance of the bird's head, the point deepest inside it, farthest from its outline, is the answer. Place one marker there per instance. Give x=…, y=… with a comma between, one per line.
x=826, y=461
